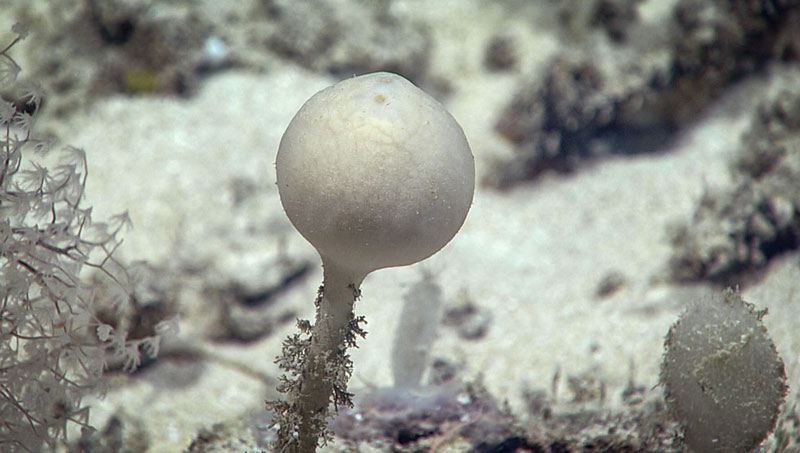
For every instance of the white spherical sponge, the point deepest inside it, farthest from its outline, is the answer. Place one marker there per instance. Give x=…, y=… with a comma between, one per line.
x=375, y=173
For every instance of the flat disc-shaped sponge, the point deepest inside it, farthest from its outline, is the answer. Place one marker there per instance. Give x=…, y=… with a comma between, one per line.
x=375, y=173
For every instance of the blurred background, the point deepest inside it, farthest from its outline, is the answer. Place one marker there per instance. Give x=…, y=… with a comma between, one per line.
x=633, y=157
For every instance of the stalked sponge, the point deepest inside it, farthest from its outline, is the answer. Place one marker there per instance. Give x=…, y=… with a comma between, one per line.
x=375, y=173
x=723, y=378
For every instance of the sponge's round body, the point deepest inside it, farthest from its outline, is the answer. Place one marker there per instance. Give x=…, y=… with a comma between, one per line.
x=375, y=173
x=723, y=378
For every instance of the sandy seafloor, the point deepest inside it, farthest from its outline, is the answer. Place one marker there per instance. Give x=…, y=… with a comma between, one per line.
x=196, y=174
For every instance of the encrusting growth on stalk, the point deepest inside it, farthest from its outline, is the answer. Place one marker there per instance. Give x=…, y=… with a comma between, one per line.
x=316, y=378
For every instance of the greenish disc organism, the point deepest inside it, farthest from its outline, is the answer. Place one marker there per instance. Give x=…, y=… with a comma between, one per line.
x=724, y=380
